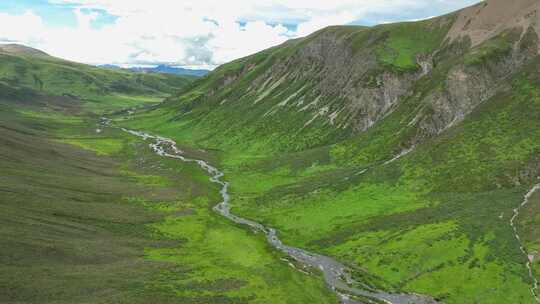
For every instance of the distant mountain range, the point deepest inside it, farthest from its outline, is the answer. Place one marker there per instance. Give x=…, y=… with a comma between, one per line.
x=163, y=69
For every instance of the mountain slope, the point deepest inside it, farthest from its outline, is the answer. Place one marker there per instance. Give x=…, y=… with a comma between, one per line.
x=340, y=81
x=25, y=68
x=400, y=149
x=488, y=19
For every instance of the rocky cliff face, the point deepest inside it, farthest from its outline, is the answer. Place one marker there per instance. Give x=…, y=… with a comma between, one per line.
x=342, y=88
x=476, y=80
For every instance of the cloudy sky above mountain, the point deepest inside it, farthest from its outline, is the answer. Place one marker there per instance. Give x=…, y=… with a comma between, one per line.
x=192, y=33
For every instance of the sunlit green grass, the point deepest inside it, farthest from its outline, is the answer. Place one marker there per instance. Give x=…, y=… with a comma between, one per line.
x=100, y=146
x=316, y=215
x=406, y=41
x=230, y=261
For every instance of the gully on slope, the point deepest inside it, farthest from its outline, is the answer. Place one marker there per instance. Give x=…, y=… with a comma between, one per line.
x=534, y=288
x=336, y=275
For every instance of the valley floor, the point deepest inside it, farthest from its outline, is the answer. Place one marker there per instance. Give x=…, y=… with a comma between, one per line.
x=91, y=215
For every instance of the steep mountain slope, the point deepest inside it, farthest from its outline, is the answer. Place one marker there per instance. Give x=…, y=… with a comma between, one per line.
x=402, y=149
x=340, y=81
x=30, y=69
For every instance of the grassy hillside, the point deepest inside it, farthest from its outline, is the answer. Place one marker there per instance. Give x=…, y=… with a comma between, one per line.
x=434, y=221
x=28, y=69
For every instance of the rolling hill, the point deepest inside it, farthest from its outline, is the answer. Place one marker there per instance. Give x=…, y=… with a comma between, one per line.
x=25, y=68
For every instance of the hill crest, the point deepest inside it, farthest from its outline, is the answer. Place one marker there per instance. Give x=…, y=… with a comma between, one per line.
x=18, y=49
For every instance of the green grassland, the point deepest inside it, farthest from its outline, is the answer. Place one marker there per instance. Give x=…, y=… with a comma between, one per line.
x=406, y=41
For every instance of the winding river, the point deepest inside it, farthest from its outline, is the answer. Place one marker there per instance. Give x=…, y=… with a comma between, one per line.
x=336, y=275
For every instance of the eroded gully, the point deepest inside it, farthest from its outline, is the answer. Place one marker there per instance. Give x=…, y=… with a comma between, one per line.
x=534, y=288
x=336, y=275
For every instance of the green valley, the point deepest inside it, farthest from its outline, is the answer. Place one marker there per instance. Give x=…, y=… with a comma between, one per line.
x=407, y=152
x=96, y=217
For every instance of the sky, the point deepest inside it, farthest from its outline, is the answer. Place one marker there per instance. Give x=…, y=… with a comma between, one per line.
x=189, y=33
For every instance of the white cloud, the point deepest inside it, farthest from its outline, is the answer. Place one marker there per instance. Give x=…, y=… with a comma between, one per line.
x=21, y=27
x=200, y=33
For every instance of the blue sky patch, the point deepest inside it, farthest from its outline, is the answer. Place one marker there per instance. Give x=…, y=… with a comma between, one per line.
x=103, y=18
x=54, y=15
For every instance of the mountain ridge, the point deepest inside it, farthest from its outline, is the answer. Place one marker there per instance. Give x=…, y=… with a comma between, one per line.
x=162, y=68
x=19, y=49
